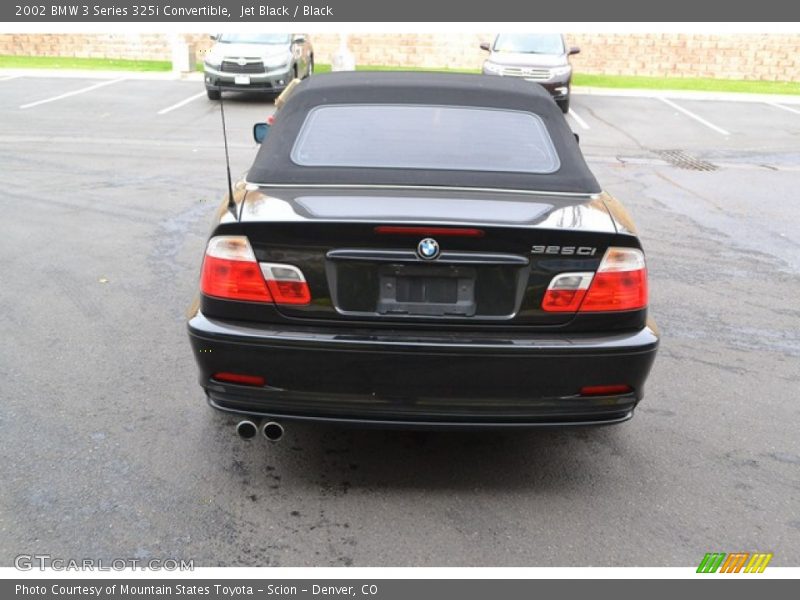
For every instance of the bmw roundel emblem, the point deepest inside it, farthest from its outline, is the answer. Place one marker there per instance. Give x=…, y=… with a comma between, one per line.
x=428, y=249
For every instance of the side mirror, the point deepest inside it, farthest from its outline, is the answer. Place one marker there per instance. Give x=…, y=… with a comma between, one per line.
x=574, y=50
x=299, y=39
x=214, y=36
x=486, y=46
x=577, y=137
x=260, y=132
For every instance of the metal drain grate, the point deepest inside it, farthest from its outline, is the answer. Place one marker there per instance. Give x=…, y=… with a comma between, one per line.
x=682, y=160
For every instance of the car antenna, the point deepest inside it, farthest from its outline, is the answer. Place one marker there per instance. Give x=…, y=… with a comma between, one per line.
x=231, y=203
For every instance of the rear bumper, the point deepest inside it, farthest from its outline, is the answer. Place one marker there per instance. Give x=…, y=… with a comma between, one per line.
x=404, y=379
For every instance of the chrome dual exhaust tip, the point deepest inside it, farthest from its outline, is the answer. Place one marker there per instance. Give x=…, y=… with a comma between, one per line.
x=246, y=430
x=271, y=430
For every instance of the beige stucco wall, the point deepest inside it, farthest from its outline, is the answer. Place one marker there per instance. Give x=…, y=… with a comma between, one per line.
x=746, y=56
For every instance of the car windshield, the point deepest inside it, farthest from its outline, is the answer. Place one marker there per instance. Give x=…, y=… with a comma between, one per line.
x=425, y=137
x=530, y=43
x=254, y=38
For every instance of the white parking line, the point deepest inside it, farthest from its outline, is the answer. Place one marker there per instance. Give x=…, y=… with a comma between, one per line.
x=75, y=93
x=164, y=111
x=578, y=119
x=9, y=77
x=691, y=115
x=791, y=110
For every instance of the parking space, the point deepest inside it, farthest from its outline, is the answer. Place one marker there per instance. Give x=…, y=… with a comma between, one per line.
x=766, y=126
x=22, y=90
x=107, y=197
x=125, y=109
x=631, y=124
x=71, y=94
x=636, y=124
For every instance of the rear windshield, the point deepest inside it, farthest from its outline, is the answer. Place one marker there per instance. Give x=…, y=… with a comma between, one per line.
x=425, y=137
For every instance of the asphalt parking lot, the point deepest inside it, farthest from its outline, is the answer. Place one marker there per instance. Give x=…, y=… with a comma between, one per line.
x=111, y=452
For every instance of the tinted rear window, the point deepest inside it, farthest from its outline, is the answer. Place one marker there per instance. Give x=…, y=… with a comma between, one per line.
x=425, y=137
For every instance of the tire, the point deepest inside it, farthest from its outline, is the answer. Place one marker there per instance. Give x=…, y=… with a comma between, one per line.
x=213, y=94
x=310, y=69
x=563, y=105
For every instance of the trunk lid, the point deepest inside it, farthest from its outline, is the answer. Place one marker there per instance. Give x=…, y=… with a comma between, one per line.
x=358, y=250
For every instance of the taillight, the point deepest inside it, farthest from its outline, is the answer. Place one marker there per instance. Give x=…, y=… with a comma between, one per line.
x=286, y=283
x=230, y=271
x=565, y=293
x=620, y=283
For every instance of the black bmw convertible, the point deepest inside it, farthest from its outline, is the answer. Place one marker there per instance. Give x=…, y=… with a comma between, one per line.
x=422, y=250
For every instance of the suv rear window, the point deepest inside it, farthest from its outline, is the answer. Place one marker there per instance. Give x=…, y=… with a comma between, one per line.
x=404, y=136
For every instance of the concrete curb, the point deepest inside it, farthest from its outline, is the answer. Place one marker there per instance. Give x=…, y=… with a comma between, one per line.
x=688, y=95
x=579, y=90
x=98, y=74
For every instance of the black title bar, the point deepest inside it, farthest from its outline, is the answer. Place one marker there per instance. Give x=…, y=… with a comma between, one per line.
x=241, y=11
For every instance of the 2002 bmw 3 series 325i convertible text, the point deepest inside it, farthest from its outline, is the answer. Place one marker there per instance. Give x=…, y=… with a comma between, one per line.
x=419, y=249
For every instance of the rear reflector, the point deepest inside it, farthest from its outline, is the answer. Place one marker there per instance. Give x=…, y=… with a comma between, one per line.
x=430, y=231
x=619, y=284
x=286, y=283
x=230, y=271
x=605, y=390
x=240, y=378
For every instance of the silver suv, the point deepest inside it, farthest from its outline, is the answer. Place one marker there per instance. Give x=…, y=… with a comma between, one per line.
x=256, y=62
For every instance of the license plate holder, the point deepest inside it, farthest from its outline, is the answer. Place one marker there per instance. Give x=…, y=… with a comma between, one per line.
x=426, y=291
x=241, y=79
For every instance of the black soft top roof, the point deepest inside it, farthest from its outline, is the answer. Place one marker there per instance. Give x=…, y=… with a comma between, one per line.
x=273, y=164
